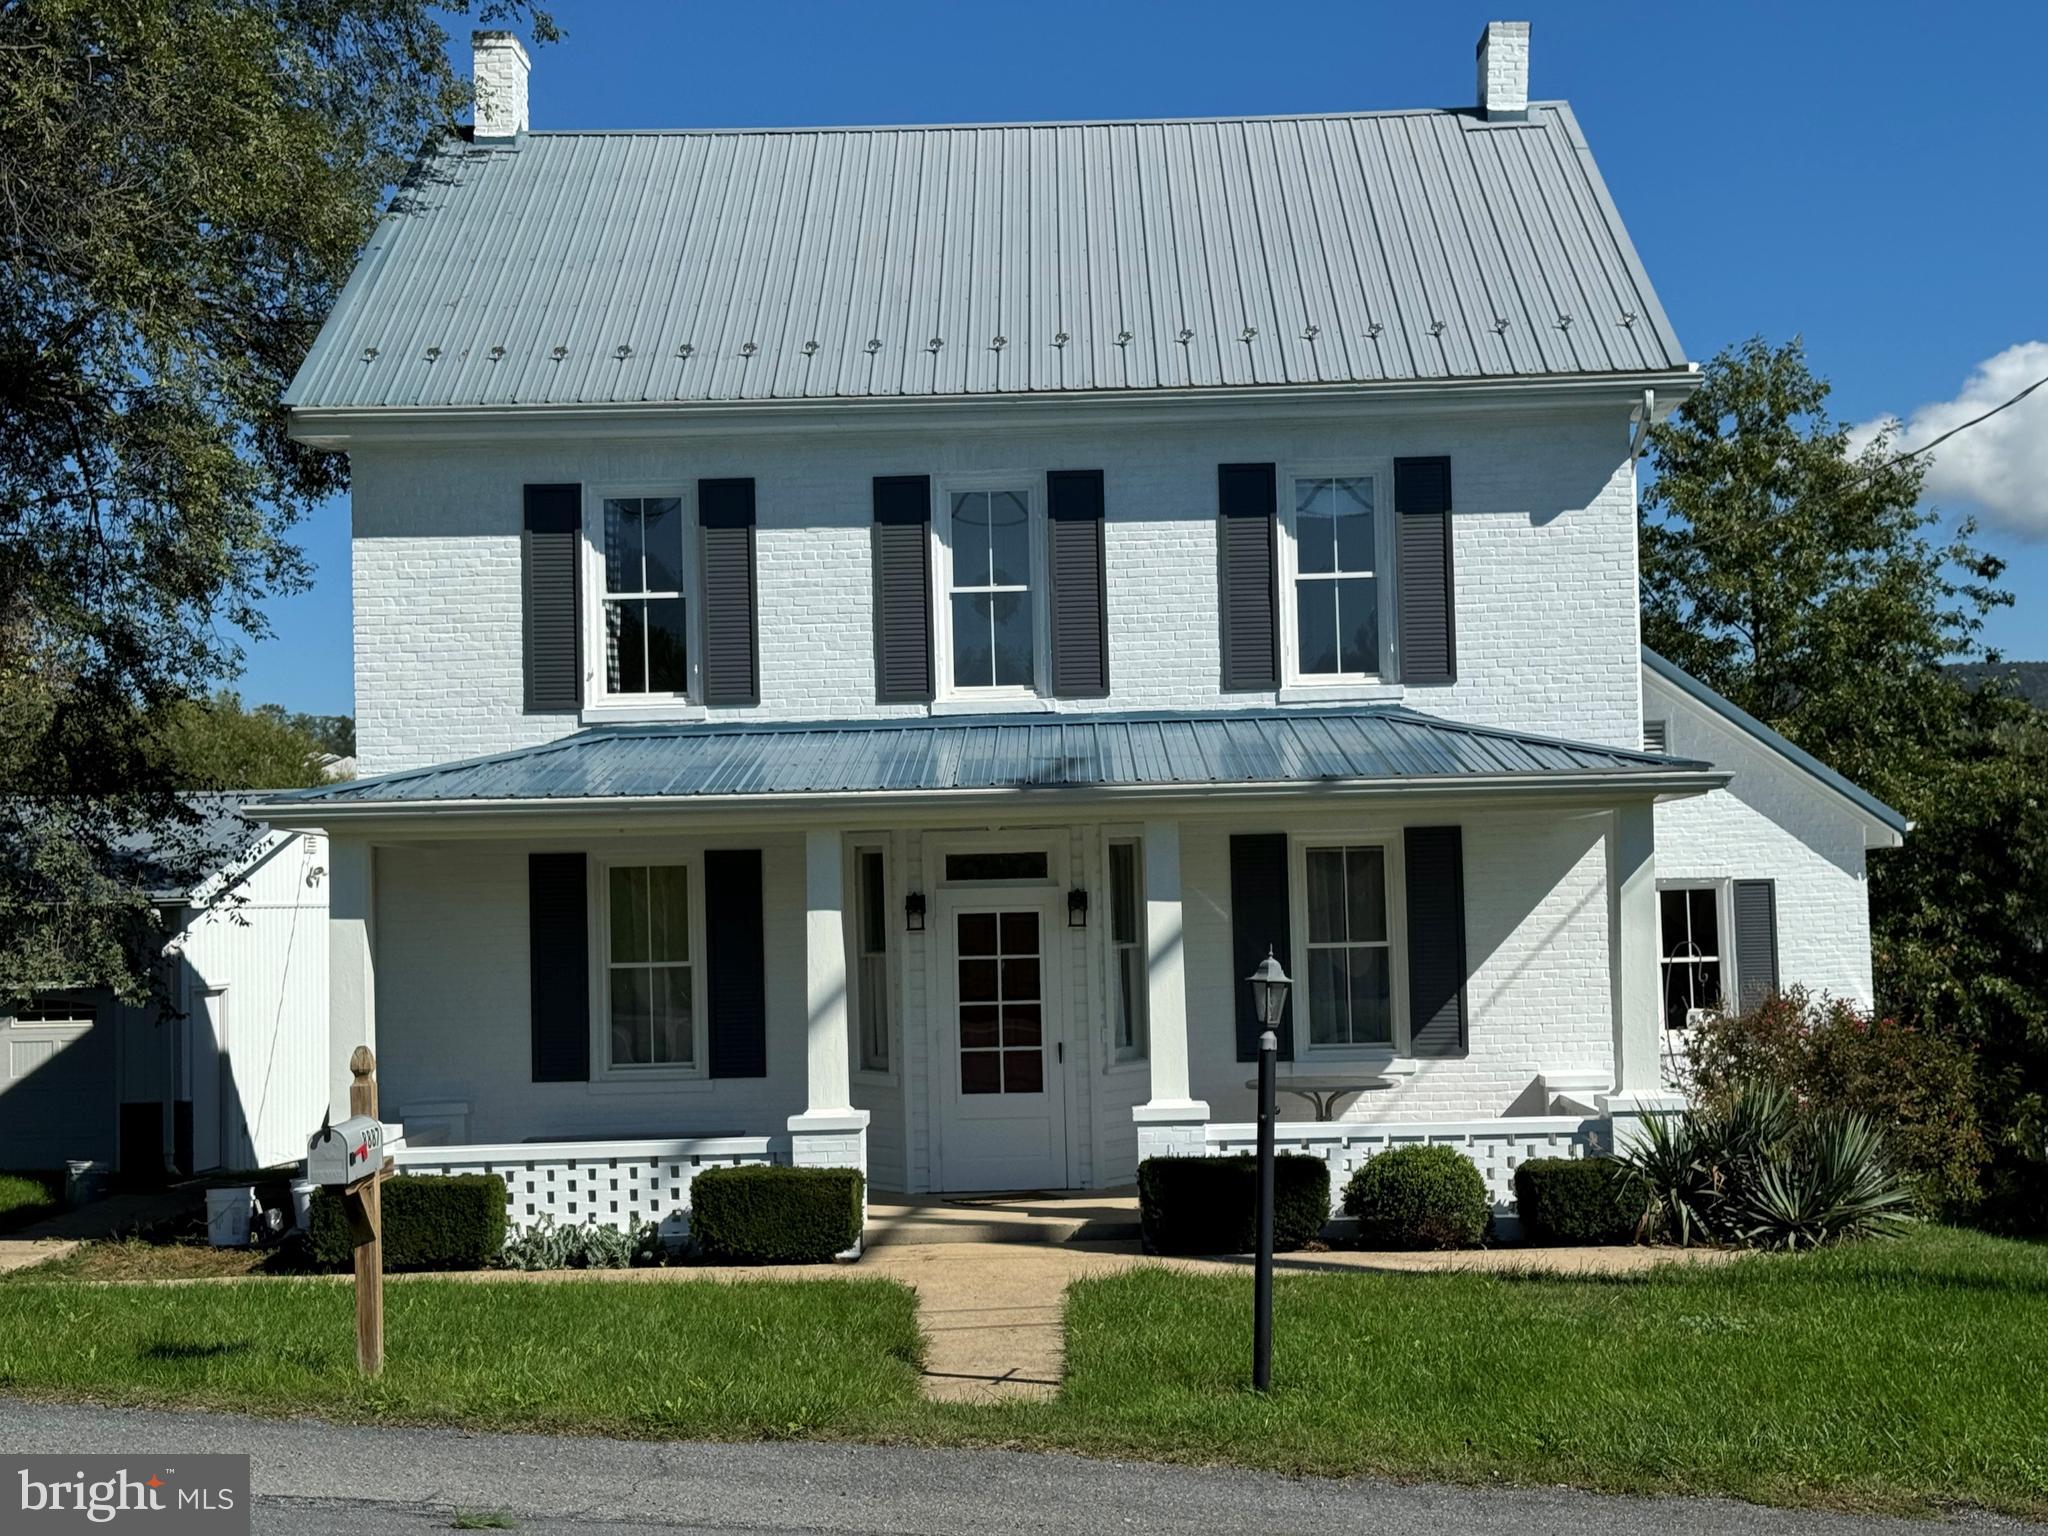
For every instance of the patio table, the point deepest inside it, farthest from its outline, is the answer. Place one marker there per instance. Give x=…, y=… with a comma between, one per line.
x=1324, y=1092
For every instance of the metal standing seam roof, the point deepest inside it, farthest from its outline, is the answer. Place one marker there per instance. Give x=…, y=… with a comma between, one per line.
x=1094, y=751
x=835, y=263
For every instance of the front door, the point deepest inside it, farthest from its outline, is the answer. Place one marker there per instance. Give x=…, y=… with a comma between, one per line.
x=1000, y=1046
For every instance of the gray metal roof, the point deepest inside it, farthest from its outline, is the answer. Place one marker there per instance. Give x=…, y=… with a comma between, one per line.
x=1857, y=796
x=623, y=268
x=1001, y=753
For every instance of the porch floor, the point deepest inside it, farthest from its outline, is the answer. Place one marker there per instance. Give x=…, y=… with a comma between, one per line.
x=1067, y=1216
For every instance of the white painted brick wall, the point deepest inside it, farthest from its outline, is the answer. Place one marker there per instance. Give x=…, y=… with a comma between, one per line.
x=1773, y=822
x=1544, y=540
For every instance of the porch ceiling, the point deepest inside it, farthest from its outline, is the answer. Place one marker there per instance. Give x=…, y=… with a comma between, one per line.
x=958, y=758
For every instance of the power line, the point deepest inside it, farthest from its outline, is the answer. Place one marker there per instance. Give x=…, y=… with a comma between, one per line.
x=1952, y=431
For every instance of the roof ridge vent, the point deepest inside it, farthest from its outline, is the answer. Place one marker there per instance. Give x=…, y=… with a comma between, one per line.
x=1504, y=71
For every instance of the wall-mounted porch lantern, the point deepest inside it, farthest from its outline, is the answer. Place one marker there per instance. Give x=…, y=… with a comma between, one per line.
x=1077, y=908
x=913, y=912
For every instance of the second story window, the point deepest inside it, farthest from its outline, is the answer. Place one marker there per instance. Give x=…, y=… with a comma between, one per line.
x=1336, y=589
x=991, y=605
x=646, y=629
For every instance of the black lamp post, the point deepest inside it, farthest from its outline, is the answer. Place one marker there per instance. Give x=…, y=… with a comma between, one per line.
x=1269, y=1001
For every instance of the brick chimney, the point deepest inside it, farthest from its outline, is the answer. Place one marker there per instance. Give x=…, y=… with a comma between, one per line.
x=499, y=67
x=1504, y=71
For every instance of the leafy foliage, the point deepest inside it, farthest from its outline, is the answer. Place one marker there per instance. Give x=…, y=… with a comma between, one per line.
x=1809, y=586
x=1210, y=1204
x=548, y=1246
x=184, y=189
x=1823, y=1051
x=758, y=1214
x=1577, y=1200
x=1419, y=1197
x=218, y=745
x=431, y=1221
x=1753, y=1168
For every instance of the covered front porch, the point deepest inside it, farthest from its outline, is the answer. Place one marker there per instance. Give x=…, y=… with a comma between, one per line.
x=601, y=989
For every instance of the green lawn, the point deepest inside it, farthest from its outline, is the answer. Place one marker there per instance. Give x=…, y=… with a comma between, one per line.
x=1902, y=1376
x=27, y=1197
x=760, y=1359
x=1896, y=1376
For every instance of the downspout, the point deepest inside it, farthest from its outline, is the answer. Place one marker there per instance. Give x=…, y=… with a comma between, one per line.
x=1645, y=413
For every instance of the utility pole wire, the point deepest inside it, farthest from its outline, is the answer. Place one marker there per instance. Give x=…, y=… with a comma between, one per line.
x=1952, y=431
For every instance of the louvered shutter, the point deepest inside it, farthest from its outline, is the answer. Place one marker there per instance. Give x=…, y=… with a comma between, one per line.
x=1080, y=612
x=1258, y=922
x=903, y=589
x=1435, y=860
x=1425, y=601
x=552, y=531
x=735, y=963
x=1756, y=941
x=558, y=965
x=1245, y=503
x=732, y=658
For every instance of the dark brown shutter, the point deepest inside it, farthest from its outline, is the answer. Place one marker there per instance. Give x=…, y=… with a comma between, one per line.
x=1756, y=942
x=903, y=589
x=736, y=963
x=1080, y=609
x=1258, y=922
x=558, y=965
x=1245, y=505
x=1425, y=599
x=732, y=652
x=553, y=529
x=1435, y=857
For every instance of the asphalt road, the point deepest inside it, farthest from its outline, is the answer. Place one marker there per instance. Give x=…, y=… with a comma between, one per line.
x=315, y=1479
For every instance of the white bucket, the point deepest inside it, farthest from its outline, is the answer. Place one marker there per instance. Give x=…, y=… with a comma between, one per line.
x=302, y=1204
x=227, y=1215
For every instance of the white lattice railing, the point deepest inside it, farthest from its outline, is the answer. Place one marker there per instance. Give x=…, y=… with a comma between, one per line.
x=1498, y=1147
x=624, y=1184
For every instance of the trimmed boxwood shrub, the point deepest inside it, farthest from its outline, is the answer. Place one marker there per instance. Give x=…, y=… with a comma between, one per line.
x=759, y=1214
x=1211, y=1204
x=1418, y=1197
x=1577, y=1200
x=431, y=1221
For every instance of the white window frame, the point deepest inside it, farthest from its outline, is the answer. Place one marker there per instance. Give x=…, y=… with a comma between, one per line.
x=1032, y=486
x=601, y=1068
x=1723, y=888
x=1335, y=684
x=599, y=703
x=1140, y=1048
x=893, y=938
x=1390, y=842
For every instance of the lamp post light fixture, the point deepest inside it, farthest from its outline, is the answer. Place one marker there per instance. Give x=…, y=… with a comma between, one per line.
x=913, y=912
x=1269, y=1001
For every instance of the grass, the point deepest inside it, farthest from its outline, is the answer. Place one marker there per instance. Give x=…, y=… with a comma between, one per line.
x=749, y=1360
x=28, y=1197
x=134, y=1258
x=1900, y=1377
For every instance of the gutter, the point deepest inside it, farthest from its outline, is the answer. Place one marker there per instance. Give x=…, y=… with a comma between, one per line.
x=1661, y=784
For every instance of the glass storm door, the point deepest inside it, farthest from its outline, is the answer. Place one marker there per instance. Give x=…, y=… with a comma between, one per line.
x=1004, y=1122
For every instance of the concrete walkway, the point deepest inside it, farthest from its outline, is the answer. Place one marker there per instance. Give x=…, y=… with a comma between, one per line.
x=23, y=1253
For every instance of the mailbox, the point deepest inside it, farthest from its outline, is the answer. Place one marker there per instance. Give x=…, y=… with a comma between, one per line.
x=345, y=1154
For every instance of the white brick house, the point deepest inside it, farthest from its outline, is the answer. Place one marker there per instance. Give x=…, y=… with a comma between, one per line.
x=863, y=638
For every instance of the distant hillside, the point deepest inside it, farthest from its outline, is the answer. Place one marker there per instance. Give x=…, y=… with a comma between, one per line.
x=2030, y=678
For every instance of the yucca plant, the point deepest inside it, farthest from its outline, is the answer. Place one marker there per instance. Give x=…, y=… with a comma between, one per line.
x=1825, y=1183
x=1678, y=1180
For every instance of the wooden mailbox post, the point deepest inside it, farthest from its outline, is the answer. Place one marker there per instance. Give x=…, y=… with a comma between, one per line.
x=366, y=1224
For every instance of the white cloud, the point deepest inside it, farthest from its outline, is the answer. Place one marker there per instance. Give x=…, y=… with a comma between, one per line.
x=1999, y=466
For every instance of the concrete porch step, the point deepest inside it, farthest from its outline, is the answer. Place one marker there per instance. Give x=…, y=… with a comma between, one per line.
x=1029, y=1218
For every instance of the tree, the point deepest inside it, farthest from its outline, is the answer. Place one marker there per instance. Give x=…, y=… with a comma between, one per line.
x=1805, y=583
x=218, y=745
x=184, y=187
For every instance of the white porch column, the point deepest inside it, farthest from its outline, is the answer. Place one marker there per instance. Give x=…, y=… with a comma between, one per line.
x=351, y=963
x=1172, y=1122
x=1639, y=1088
x=830, y=1133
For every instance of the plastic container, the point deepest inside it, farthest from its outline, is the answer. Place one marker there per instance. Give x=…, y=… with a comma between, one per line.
x=228, y=1214
x=84, y=1182
x=302, y=1204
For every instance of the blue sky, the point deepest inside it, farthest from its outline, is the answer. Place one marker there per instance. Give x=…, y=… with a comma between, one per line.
x=1865, y=175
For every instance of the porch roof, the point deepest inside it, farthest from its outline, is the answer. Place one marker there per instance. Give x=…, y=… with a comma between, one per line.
x=1271, y=749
